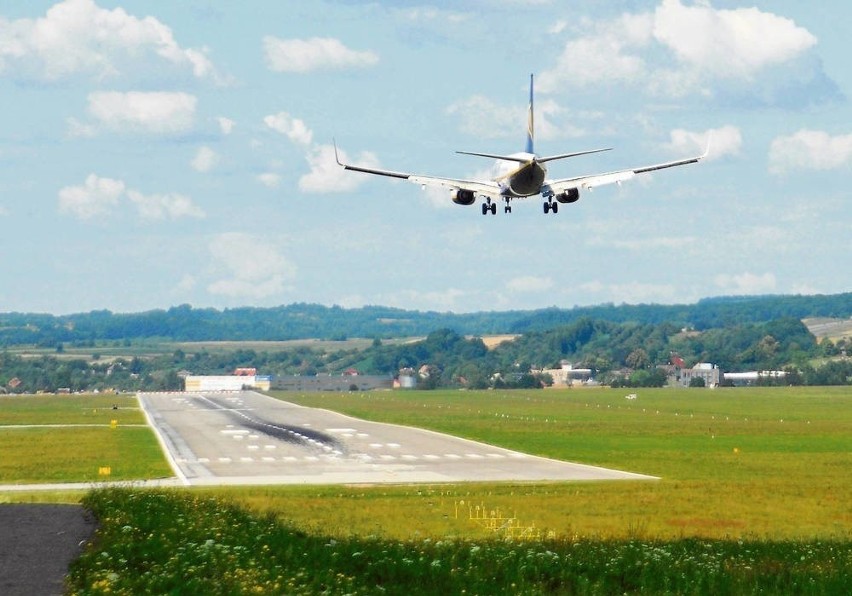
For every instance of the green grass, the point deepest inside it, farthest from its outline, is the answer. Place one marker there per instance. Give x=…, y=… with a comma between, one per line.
x=768, y=463
x=157, y=542
x=48, y=452
x=753, y=498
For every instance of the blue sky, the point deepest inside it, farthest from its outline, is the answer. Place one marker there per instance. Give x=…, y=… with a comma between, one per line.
x=155, y=154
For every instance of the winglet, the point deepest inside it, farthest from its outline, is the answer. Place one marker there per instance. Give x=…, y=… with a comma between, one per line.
x=336, y=158
x=707, y=150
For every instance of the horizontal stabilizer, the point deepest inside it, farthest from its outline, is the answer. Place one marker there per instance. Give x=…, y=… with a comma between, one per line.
x=575, y=154
x=517, y=158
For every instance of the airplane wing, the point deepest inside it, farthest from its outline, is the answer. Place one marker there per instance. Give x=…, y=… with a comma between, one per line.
x=482, y=187
x=617, y=177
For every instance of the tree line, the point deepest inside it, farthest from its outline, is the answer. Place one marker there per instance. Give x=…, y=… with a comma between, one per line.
x=625, y=354
x=303, y=321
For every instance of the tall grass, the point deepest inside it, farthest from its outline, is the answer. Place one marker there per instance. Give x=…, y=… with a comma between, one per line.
x=158, y=542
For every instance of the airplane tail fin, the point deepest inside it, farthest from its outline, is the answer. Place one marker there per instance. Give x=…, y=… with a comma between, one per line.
x=530, y=122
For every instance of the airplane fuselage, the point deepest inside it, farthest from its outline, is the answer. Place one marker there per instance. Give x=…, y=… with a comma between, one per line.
x=526, y=179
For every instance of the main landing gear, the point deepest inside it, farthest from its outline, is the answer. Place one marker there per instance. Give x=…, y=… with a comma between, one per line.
x=489, y=207
x=551, y=205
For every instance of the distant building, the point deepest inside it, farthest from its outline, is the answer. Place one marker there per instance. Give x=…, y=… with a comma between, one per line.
x=566, y=375
x=710, y=373
x=226, y=382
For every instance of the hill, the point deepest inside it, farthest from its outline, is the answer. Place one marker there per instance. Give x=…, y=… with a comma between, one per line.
x=303, y=321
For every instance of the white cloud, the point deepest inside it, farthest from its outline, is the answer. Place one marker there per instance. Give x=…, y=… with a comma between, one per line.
x=147, y=112
x=205, y=159
x=95, y=197
x=729, y=43
x=77, y=36
x=316, y=53
x=327, y=176
x=726, y=140
x=746, y=283
x=226, y=125
x=293, y=128
x=607, y=55
x=529, y=283
x=253, y=267
x=168, y=206
x=269, y=179
x=810, y=150
x=710, y=46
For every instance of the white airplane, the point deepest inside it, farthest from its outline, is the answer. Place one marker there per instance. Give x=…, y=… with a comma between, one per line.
x=527, y=179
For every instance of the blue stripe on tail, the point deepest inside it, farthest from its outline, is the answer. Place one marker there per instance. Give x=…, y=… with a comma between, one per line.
x=530, y=124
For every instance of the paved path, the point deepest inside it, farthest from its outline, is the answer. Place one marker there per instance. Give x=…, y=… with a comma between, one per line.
x=37, y=543
x=249, y=438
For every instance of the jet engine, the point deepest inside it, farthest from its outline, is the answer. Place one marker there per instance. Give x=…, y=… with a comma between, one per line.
x=461, y=196
x=572, y=195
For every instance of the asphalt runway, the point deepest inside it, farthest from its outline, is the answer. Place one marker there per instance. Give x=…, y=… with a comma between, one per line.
x=250, y=438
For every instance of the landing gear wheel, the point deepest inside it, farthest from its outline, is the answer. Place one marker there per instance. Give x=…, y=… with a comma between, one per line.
x=493, y=207
x=484, y=208
x=507, y=209
x=554, y=207
x=547, y=208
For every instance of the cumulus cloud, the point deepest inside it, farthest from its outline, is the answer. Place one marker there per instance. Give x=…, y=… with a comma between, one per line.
x=316, y=53
x=746, y=283
x=95, y=197
x=98, y=197
x=529, y=284
x=730, y=43
x=168, y=206
x=78, y=37
x=158, y=112
x=293, y=128
x=205, y=159
x=678, y=50
x=326, y=176
x=252, y=267
x=726, y=140
x=810, y=150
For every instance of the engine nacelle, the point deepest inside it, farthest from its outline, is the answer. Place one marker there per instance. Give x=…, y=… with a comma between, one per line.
x=572, y=195
x=460, y=196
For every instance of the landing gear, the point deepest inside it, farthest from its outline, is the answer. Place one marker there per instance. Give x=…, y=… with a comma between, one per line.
x=507, y=208
x=551, y=206
x=489, y=207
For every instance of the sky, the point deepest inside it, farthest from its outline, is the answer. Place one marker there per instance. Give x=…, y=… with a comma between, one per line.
x=162, y=153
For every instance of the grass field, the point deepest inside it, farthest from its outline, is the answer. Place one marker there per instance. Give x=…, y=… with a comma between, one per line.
x=47, y=439
x=753, y=498
x=767, y=463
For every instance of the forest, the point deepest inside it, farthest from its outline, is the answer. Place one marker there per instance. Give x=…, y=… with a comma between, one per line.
x=299, y=321
x=621, y=354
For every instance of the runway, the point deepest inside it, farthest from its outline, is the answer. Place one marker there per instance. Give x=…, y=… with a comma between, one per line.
x=250, y=438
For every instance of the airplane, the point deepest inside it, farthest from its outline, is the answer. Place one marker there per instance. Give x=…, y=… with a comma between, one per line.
x=527, y=179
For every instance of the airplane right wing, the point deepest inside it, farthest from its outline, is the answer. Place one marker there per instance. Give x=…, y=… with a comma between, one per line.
x=588, y=182
x=463, y=192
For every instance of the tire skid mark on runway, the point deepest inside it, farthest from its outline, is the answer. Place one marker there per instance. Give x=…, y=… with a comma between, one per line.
x=295, y=435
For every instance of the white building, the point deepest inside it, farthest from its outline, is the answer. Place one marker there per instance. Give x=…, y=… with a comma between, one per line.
x=226, y=382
